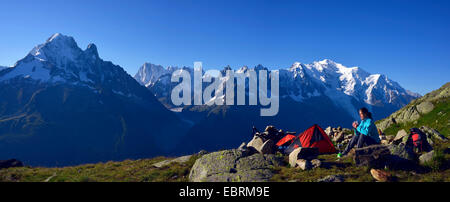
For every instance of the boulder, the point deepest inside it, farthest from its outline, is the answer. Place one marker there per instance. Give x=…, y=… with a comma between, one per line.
x=374, y=156
x=332, y=178
x=328, y=130
x=256, y=142
x=427, y=157
x=403, y=151
x=316, y=163
x=247, y=150
x=401, y=134
x=380, y=175
x=402, y=157
x=202, y=152
x=425, y=107
x=234, y=165
x=10, y=163
x=302, y=153
x=267, y=148
x=304, y=164
x=263, y=147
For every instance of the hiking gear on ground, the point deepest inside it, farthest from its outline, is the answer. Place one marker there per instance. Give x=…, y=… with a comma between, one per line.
x=359, y=141
x=368, y=128
x=312, y=137
x=419, y=140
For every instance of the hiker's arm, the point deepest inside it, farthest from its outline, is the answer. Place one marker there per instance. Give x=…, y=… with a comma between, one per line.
x=363, y=128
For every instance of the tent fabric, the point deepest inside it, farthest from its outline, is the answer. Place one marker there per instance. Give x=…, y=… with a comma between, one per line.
x=295, y=144
x=314, y=136
x=286, y=140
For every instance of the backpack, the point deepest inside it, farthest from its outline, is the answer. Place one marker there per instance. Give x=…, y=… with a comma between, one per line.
x=417, y=139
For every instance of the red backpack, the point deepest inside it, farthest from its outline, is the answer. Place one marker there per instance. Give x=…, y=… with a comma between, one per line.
x=417, y=139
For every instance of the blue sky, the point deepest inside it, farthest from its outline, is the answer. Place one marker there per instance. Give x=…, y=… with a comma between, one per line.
x=406, y=40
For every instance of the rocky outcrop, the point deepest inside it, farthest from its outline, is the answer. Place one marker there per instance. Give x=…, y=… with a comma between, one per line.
x=234, y=165
x=431, y=132
x=416, y=108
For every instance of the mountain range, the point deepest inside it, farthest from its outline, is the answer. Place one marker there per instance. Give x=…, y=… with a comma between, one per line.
x=61, y=105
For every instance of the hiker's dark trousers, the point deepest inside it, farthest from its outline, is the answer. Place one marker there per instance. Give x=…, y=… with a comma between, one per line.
x=359, y=141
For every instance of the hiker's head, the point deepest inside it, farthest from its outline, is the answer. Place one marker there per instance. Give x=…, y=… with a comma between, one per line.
x=364, y=113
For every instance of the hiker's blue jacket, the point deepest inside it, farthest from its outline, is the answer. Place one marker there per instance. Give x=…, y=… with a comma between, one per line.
x=367, y=127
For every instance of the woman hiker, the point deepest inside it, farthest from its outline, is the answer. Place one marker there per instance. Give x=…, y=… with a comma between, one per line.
x=366, y=132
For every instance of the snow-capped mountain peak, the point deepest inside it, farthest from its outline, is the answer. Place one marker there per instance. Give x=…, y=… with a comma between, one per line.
x=344, y=85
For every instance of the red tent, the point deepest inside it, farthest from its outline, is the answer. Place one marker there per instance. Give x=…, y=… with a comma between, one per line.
x=313, y=137
x=286, y=140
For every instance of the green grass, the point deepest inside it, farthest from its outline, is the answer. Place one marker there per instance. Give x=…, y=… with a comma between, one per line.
x=124, y=171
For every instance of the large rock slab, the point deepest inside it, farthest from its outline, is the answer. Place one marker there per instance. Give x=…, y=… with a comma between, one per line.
x=234, y=166
x=374, y=156
x=10, y=163
x=425, y=107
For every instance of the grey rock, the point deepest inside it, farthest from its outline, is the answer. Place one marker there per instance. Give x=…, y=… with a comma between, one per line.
x=433, y=133
x=202, y=152
x=316, y=163
x=234, y=165
x=304, y=164
x=263, y=147
x=339, y=137
x=267, y=148
x=328, y=130
x=332, y=178
x=427, y=157
x=374, y=156
x=302, y=153
x=425, y=107
x=402, y=151
x=400, y=135
x=402, y=157
x=256, y=142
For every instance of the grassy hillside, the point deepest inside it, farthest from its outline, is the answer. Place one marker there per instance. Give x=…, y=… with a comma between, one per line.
x=124, y=171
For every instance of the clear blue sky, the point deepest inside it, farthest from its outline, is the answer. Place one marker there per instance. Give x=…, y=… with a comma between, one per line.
x=407, y=40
